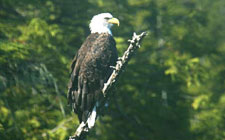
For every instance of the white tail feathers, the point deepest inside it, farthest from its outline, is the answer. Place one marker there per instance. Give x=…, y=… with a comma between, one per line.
x=92, y=118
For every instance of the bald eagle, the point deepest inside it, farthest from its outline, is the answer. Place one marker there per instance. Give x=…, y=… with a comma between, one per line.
x=91, y=68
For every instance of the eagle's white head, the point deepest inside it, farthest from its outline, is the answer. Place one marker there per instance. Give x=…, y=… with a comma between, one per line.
x=102, y=23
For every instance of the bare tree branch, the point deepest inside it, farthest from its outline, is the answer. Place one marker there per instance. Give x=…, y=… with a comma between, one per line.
x=135, y=42
x=122, y=61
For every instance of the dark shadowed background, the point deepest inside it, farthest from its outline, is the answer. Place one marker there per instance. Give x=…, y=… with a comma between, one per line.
x=172, y=89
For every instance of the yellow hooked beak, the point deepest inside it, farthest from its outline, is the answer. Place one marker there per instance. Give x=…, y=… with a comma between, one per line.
x=114, y=21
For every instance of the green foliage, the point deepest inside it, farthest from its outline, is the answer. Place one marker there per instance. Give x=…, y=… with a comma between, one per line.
x=172, y=89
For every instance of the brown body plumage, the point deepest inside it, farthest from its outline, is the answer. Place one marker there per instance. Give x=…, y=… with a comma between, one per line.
x=90, y=70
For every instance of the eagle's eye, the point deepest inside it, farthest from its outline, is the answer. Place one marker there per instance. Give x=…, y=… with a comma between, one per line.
x=107, y=18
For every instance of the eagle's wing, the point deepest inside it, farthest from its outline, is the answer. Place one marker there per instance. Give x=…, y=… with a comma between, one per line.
x=73, y=79
x=75, y=68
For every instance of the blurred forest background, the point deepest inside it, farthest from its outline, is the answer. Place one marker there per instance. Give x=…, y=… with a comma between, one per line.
x=173, y=89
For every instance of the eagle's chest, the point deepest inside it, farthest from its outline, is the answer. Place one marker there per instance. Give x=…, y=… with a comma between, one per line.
x=101, y=54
